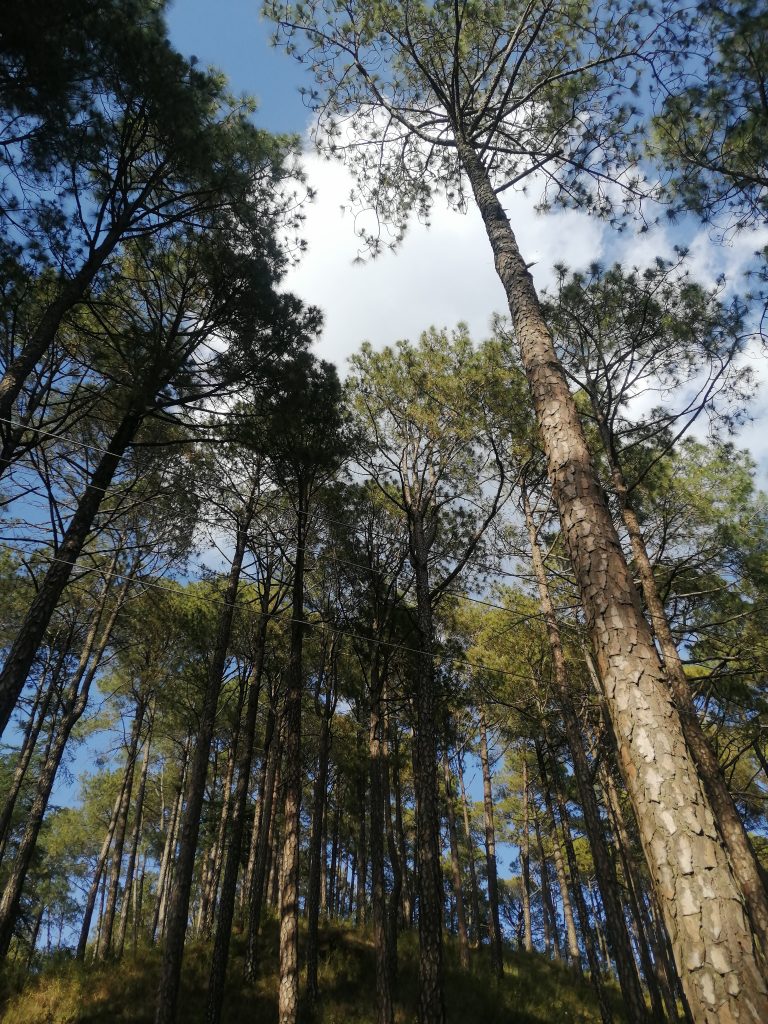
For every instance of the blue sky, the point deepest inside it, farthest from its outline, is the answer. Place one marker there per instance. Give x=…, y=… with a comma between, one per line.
x=232, y=36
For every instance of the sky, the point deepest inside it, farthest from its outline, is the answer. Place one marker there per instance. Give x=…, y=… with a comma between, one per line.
x=441, y=274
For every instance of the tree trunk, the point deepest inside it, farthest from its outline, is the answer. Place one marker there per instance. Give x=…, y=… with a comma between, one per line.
x=105, y=944
x=315, y=841
x=381, y=933
x=128, y=884
x=618, y=936
x=551, y=937
x=744, y=864
x=178, y=908
x=570, y=925
x=19, y=661
x=288, y=994
x=267, y=803
x=101, y=861
x=701, y=900
x=220, y=954
x=525, y=862
x=169, y=850
x=497, y=954
x=474, y=890
x=428, y=868
x=458, y=892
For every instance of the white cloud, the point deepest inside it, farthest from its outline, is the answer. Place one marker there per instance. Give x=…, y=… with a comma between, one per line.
x=444, y=273
x=439, y=275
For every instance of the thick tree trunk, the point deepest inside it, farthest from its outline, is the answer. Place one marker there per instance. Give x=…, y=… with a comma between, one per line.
x=22, y=654
x=178, y=907
x=742, y=856
x=618, y=936
x=702, y=902
x=220, y=955
x=494, y=923
x=458, y=889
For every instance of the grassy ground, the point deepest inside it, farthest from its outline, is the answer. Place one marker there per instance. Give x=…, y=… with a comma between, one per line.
x=534, y=990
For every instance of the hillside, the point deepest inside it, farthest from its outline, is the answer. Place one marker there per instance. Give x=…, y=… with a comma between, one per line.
x=534, y=991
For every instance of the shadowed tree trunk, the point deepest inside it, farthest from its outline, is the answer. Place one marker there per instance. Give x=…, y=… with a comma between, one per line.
x=220, y=955
x=458, y=892
x=474, y=891
x=525, y=863
x=497, y=956
x=128, y=884
x=178, y=907
x=376, y=772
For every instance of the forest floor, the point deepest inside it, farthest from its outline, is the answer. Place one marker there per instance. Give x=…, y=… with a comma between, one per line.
x=534, y=990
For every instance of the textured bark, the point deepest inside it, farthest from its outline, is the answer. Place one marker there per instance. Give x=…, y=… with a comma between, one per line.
x=730, y=826
x=178, y=907
x=618, y=936
x=458, y=891
x=220, y=955
x=494, y=924
x=701, y=900
x=19, y=660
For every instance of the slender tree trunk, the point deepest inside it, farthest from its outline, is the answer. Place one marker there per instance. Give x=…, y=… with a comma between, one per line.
x=497, y=955
x=178, y=907
x=458, y=891
x=19, y=660
x=525, y=862
x=428, y=868
x=474, y=889
x=288, y=994
x=551, y=937
x=562, y=881
x=381, y=933
x=101, y=861
x=220, y=954
x=272, y=755
x=169, y=850
x=128, y=884
x=105, y=945
x=593, y=958
x=210, y=890
x=315, y=841
x=694, y=882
